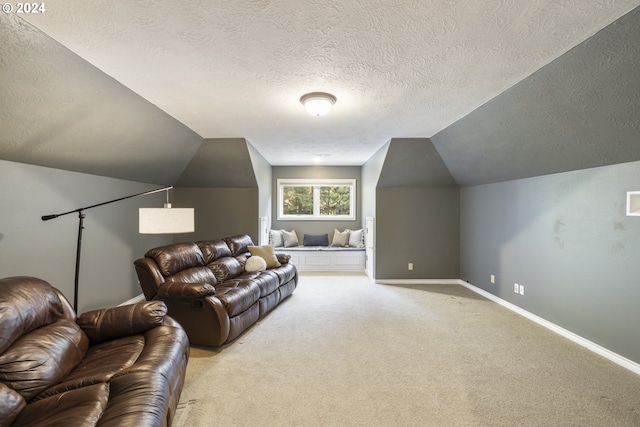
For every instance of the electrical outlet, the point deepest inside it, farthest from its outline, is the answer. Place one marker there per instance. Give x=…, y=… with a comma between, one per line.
x=493, y=279
x=516, y=288
x=410, y=266
x=521, y=289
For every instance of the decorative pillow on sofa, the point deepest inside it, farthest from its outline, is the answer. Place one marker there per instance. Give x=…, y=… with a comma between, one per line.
x=275, y=238
x=265, y=252
x=290, y=238
x=356, y=238
x=254, y=264
x=340, y=238
x=315, y=240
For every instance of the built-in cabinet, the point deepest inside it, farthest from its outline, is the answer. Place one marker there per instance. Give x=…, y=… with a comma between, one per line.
x=633, y=203
x=369, y=240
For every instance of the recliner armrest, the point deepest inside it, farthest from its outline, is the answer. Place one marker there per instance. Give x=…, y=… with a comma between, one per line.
x=115, y=322
x=181, y=290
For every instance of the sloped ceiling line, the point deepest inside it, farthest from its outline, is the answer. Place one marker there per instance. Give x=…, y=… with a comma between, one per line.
x=578, y=112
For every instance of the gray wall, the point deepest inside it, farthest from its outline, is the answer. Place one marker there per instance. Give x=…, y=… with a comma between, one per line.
x=219, y=212
x=414, y=162
x=418, y=225
x=220, y=183
x=47, y=249
x=316, y=172
x=417, y=214
x=220, y=163
x=566, y=238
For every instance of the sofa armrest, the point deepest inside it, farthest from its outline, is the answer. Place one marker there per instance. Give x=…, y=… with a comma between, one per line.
x=109, y=323
x=283, y=258
x=181, y=290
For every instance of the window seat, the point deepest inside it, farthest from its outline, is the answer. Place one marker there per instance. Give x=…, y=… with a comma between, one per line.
x=325, y=258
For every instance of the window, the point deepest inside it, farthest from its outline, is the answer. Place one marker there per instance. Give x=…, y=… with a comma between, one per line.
x=330, y=199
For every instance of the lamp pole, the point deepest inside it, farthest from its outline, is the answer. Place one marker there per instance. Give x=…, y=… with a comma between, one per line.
x=78, y=251
x=81, y=216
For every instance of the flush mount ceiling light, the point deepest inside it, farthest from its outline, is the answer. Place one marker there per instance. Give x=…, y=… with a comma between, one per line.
x=318, y=103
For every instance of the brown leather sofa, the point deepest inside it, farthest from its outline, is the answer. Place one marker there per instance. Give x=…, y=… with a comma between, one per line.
x=207, y=289
x=121, y=366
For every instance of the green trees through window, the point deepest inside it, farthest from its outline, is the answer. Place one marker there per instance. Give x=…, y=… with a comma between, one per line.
x=335, y=200
x=305, y=199
x=297, y=200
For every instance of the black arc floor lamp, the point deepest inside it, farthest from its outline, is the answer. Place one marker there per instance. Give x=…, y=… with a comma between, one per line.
x=165, y=220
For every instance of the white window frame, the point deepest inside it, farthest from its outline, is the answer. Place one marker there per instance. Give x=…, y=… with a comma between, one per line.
x=317, y=183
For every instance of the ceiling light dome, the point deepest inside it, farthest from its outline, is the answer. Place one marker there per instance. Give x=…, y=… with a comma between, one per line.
x=318, y=103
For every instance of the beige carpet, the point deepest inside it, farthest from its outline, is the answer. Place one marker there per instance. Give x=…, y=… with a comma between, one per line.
x=343, y=351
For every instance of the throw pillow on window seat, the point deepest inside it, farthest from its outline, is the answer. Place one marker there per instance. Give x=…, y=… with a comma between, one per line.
x=290, y=238
x=356, y=238
x=315, y=240
x=275, y=238
x=340, y=238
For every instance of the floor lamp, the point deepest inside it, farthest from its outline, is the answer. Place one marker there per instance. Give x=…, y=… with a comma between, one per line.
x=165, y=220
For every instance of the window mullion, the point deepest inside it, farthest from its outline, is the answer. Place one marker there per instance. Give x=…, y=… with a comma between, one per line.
x=316, y=201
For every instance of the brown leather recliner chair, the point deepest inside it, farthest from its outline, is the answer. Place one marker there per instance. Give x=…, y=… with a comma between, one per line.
x=121, y=366
x=207, y=289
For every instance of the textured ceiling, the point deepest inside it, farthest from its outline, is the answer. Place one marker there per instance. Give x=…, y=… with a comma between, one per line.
x=399, y=68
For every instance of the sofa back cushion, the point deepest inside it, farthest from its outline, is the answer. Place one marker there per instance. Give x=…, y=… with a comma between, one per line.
x=26, y=303
x=172, y=259
x=238, y=244
x=213, y=250
x=43, y=357
x=226, y=268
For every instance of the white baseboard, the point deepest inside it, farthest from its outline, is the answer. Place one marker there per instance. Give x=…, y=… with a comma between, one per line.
x=596, y=348
x=418, y=281
x=134, y=300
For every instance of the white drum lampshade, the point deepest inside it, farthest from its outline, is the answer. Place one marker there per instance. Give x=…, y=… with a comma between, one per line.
x=166, y=220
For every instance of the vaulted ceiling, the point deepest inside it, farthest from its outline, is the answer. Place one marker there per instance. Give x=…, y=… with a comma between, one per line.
x=130, y=89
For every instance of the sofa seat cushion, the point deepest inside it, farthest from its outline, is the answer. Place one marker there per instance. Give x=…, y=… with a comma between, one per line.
x=226, y=268
x=267, y=281
x=80, y=407
x=137, y=399
x=286, y=272
x=161, y=354
x=102, y=362
x=43, y=357
x=237, y=295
